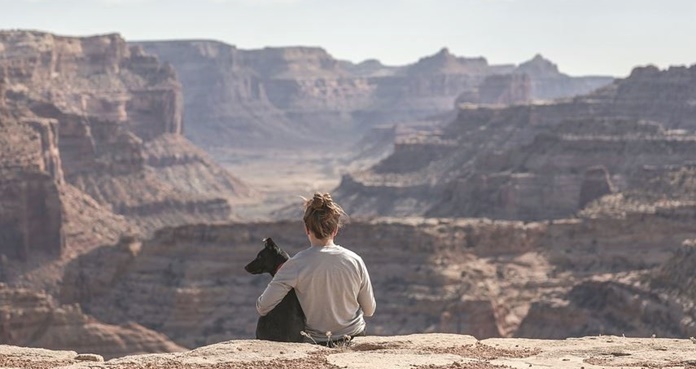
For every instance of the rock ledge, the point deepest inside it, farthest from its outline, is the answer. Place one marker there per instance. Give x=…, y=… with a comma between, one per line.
x=409, y=351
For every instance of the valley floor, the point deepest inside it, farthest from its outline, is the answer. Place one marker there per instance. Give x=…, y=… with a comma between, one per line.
x=280, y=177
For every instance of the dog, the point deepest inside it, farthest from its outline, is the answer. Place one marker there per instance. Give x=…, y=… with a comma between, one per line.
x=287, y=320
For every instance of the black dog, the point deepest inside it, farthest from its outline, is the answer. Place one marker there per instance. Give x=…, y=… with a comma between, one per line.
x=285, y=322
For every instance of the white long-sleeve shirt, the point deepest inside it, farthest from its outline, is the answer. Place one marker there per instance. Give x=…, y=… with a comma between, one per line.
x=333, y=287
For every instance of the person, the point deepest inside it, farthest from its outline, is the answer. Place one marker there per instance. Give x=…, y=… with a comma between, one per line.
x=331, y=282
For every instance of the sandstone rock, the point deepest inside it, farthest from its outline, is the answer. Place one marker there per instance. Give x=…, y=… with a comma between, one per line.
x=548, y=83
x=29, y=318
x=596, y=183
x=97, y=104
x=505, y=89
x=89, y=357
x=471, y=276
x=528, y=162
x=675, y=277
x=31, y=215
x=607, y=308
x=272, y=94
x=420, y=350
x=444, y=62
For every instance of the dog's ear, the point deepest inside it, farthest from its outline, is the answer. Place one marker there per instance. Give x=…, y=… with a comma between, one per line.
x=269, y=244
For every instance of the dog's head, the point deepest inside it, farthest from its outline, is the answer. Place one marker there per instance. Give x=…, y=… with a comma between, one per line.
x=267, y=260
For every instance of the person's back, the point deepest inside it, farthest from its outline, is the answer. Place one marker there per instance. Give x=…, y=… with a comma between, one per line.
x=331, y=282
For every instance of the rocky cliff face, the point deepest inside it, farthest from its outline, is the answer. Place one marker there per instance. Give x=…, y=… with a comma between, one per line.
x=90, y=151
x=108, y=118
x=504, y=89
x=299, y=94
x=31, y=215
x=29, y=318
x=471, y=276
x=548, y=83
x=536, y=161
x=658, y=302
x=225, y=101
x=144, y=96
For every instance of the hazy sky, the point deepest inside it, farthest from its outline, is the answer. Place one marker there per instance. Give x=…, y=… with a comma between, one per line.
x=583, y=37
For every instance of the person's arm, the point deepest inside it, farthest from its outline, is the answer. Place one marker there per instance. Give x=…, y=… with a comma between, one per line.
x=281, y=284
x=366, y=297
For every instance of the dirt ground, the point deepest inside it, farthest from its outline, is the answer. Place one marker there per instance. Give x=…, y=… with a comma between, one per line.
x=281, y=177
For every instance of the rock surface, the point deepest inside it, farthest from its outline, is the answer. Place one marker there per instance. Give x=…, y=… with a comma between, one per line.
x=297, y=95
x=410, y=351
x=472, y=276
x=533, y=162
x=95, y=118
x=30, y=318
x=90, y=150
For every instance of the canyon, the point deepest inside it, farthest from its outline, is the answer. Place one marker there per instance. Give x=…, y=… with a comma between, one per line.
x=540, y=161
x=498, y=201
x=301, y=105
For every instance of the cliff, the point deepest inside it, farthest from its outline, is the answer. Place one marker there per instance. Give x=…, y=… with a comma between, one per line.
x=411, y=351
x=471, y=276
x=269, y=112
x=30, y=318
x=538, y=161
x=548, y=83
x=104, y=118
x=31, y=216
x=297, y=95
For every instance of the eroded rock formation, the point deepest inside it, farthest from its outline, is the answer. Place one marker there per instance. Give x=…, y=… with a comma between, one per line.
x=29, y=318
x=31, y=214
x=658, y=302
x=90, y=150
x=534, y=162
x=105, y=118
x=472, y=276
x=297, y=95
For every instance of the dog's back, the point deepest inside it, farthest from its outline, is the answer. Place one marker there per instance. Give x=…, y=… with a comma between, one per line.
x=285, y=322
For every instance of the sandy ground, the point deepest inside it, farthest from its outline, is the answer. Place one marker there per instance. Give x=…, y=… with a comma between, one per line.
x=281, y=177
x=434, y=351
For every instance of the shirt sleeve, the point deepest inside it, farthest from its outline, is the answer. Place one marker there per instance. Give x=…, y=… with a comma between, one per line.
x=284, y=280
x=366, y=297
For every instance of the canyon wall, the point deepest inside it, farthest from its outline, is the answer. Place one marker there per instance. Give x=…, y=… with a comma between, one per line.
x=537, y=161
x=31, y=213
x=296, y=96
x=31, y=319
x=98, y=115
x=473, y=276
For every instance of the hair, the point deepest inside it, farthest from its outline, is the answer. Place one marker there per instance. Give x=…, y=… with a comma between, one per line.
x=322, y=216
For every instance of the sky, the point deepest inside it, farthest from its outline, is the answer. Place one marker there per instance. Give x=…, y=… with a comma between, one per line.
x=583, y=37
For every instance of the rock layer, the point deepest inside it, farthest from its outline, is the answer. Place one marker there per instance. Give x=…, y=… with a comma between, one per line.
x=471, y=276
x=29, y=318
x=101, y=116
x=243, y=97
x=533, y=162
